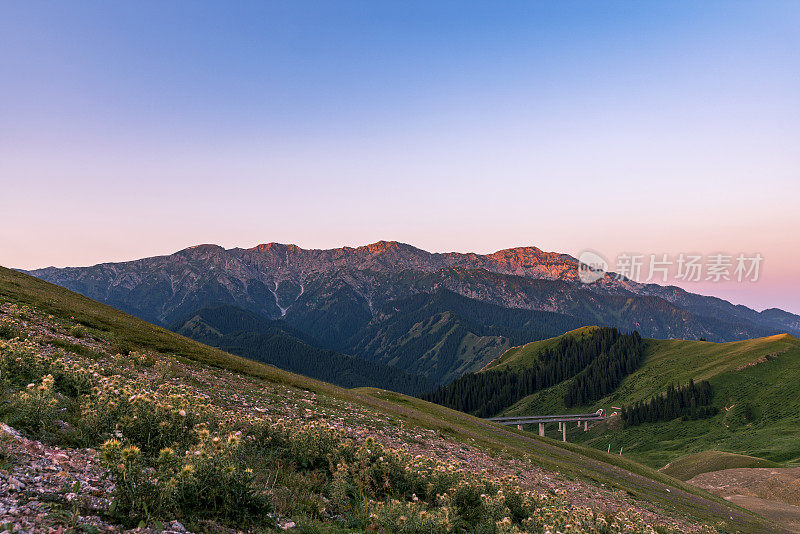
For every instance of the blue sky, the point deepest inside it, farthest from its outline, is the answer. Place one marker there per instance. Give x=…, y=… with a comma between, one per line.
x=135, y=129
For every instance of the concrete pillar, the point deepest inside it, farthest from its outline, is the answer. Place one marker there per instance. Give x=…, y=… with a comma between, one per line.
x=564, y=432
x=560, y=426
x=541, y=429
x=519, y=427
x=579, y=424
x=585, y=426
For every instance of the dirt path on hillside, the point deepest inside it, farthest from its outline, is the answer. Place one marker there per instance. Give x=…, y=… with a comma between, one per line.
x=773, y=493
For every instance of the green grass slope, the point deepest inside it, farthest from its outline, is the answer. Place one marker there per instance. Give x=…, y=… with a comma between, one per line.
x=755, y=384
x=635, y=479
x=691, y=465
x=523, y=356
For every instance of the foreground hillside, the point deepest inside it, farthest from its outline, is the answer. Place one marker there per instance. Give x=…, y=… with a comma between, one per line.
x=755, y=390
x=191, y=433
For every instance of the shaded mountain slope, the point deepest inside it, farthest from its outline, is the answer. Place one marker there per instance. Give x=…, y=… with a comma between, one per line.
x=243, y=333
x=443, y=334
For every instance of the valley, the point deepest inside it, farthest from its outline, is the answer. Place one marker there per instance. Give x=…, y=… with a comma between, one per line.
x=177, y=383
x=507, y=334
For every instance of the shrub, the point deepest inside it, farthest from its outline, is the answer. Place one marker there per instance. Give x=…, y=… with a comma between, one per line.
x=10, y=330
x=36, y=408
x=78, y=331
x=138, y=419
x=19, y=364
x=208, y=482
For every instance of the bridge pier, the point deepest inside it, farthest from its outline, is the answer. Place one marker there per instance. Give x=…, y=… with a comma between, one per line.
x=541, y=429
x=585, y=425
x=519, y=427
x=564, y=432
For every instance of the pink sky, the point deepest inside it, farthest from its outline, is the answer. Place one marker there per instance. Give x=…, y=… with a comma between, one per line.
x=622, y=127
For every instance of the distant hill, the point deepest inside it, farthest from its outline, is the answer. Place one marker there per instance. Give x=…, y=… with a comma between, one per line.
x=243, y=333
x=691, y=465
x=754, y=385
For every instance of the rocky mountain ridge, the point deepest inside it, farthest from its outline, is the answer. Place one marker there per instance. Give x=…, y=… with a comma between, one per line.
x=275, y=280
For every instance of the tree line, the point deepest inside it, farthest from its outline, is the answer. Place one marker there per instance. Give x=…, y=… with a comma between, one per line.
x=692, y=401
x=601, y=358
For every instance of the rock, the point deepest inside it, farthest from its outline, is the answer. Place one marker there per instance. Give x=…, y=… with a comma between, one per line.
x=8, y=430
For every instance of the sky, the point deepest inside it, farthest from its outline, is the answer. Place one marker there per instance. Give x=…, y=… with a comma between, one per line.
x=133, y=129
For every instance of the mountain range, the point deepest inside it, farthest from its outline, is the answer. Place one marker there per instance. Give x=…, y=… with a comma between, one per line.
x=438, y=315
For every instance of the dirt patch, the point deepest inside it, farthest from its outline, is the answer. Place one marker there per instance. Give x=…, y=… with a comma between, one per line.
x=773, y=493
x=785, y=515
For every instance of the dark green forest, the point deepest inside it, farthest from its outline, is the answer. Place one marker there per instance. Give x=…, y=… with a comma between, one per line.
x=692, y=401
x=594, y=363
x=274, y=342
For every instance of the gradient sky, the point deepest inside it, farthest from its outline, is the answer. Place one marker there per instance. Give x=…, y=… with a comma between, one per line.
x=131, y=129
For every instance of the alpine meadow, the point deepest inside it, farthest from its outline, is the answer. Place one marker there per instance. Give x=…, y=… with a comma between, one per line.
x=415, y=267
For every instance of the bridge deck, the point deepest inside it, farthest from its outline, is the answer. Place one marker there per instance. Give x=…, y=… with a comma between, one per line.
x=533, y=419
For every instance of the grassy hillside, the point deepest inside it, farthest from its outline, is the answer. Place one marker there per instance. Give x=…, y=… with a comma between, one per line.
x=691, y=465
x=236, y=389
x=754, y=382
x=525, y=355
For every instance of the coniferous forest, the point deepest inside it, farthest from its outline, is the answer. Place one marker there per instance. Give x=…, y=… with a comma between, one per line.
x=692, y=401
x=597, y=362
x=605, y=372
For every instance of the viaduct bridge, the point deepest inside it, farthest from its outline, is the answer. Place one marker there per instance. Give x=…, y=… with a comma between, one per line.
x=582, y=419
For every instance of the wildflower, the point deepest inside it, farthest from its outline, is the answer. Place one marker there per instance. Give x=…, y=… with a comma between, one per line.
x=131, y=452
x=110, y=448
x=182, y=413
x=166, y=454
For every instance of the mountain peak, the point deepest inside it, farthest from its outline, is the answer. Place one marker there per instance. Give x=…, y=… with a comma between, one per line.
x=204, y=247
x=386, y=246
x=267, y=247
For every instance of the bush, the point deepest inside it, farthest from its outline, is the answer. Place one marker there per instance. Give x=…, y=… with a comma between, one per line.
x=9, y=330
x=78, y=331
x=208, y=482
x=37, y=408
x=137, y=419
